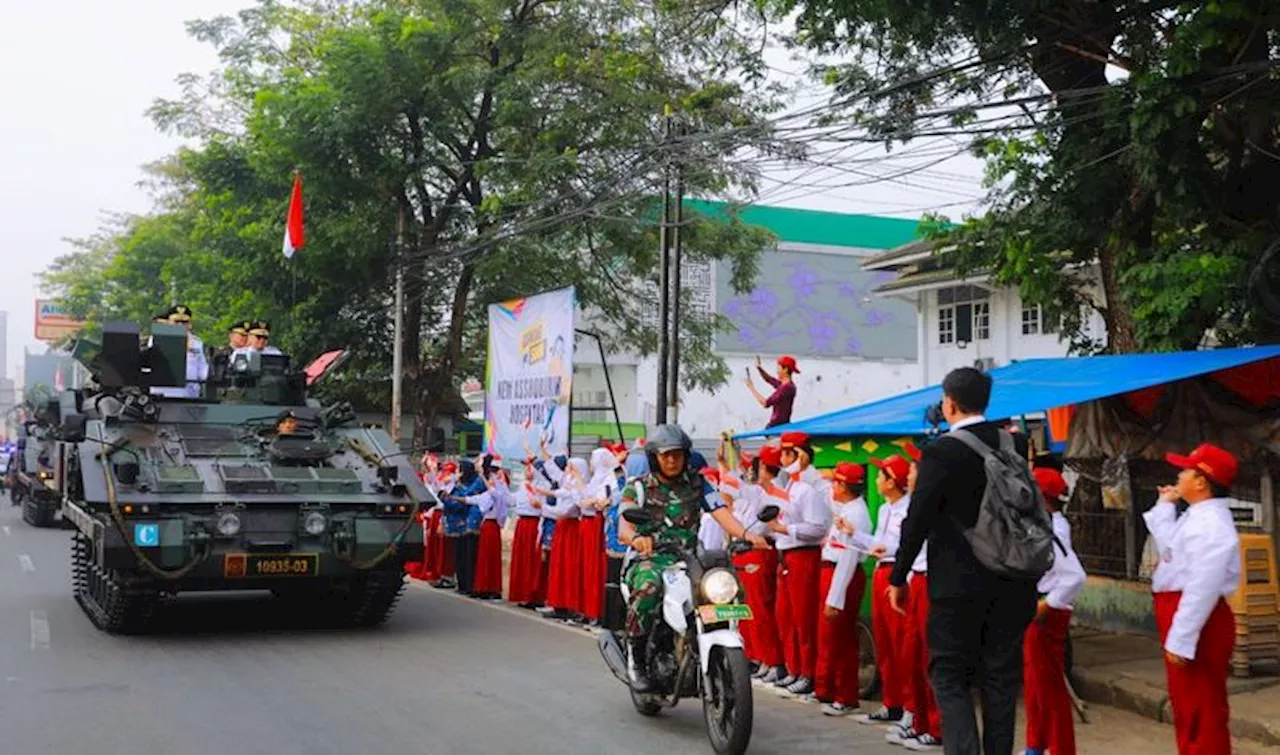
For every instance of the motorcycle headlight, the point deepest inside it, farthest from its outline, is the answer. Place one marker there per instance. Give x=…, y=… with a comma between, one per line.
x=719, y=586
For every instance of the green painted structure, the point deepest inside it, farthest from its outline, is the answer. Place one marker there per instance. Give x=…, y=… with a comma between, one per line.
x=819, y=227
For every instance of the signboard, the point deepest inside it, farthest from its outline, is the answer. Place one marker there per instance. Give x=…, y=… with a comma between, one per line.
x=52, y=321
x=529, y=378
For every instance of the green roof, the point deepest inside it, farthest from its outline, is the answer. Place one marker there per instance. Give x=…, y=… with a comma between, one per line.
x=818, y=227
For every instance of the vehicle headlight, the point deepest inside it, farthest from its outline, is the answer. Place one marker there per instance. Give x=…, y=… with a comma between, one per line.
x=719, y=586
x=314, y=523
x=228, y=524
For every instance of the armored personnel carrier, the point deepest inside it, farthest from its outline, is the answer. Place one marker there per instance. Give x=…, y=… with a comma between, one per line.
x=33, y=485
x=242, y=484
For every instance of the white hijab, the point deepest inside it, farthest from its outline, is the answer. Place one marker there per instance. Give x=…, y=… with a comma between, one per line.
x=577, y=482
x=604, y=466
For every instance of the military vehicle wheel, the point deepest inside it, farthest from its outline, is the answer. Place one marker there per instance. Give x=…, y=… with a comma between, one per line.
x=113, y=603
x=36, y=514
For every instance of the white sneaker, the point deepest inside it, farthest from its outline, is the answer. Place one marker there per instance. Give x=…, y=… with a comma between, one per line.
x=880, y=717
x=899, y=735
x=924, y=743
x=837, y=709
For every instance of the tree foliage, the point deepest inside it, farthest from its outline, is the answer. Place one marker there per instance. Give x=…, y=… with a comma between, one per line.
x=1136, y=138
x=506, y=146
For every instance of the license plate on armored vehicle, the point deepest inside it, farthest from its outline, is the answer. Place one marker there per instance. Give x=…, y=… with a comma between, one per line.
x=714, y=614
x=249, y=565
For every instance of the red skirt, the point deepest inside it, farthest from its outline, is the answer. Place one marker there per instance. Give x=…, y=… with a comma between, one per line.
x=526, y=562
x=564, y=580
x=591, y=550
x=422, y=569
x=489, y=560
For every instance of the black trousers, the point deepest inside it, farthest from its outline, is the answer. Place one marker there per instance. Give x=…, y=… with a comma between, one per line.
x=468, y=550
x=977, y=641
x=615, y=608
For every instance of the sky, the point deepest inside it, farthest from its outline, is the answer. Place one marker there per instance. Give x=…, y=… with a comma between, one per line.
x=76, y=78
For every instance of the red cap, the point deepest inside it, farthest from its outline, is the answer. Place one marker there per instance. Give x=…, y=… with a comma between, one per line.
x=897, y=467
x=1052, y=484
x=790, y=363
x=1215, y=463
x=912, y=452
x=795, y=439
x=771, y=456
x=449, y=466
x=711, y=473
x=744, y=460
x=847, y=471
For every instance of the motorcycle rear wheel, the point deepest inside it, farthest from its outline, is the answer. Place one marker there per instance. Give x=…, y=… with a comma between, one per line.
x=644, y=704
x=727, y=703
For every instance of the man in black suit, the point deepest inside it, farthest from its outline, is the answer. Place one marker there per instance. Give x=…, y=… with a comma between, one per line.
x=976, y=618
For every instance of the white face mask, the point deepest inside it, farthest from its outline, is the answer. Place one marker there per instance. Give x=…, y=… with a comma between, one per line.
x=793, y=467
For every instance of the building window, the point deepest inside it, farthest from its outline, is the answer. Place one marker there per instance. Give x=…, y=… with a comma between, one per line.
x=1034, y=322
x=967, y=310
x=1031, y=320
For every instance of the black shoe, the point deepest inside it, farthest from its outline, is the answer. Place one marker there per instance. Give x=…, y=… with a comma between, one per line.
x=640, y=683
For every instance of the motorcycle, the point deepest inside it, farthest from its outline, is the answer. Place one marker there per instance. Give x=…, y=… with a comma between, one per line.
x=695, y=650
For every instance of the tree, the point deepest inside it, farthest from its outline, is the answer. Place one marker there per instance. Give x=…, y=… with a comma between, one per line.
x=1157, y=173
x=519, y=141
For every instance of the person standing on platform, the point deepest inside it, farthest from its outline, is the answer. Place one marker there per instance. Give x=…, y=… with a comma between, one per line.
x=977, y=617
x=799, y=533
x=1199, y=568
x=783, y=398
x=888, y=626
x=841, y=585
x=526, y=548
x=1044, y=648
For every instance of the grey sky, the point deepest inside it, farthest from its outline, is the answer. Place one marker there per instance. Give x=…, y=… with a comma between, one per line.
x=77, y=75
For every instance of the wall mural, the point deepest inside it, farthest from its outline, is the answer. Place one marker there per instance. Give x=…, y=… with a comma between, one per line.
x=809, y=304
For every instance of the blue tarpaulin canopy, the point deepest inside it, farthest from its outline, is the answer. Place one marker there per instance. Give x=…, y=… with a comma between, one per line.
x=1029, y=386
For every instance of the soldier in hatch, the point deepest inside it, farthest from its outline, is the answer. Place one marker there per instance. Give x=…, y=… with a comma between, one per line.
x=286, y=423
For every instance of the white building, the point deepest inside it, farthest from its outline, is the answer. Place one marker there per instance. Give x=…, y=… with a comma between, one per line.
x=812, y=299
x=967, y=322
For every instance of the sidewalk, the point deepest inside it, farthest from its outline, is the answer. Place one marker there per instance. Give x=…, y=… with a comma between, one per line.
x=1127, y=672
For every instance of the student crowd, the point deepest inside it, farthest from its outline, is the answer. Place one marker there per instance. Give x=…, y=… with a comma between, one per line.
x=806, y=591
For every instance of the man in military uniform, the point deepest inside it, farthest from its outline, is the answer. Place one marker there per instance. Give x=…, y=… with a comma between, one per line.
x=259, y=335
x=675, y=494
x=197, y=364
x=238, y=336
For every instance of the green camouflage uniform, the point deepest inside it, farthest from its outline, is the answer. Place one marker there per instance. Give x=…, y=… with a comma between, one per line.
x=683, y=502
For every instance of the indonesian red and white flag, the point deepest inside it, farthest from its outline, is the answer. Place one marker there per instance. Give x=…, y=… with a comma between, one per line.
x=293, y=235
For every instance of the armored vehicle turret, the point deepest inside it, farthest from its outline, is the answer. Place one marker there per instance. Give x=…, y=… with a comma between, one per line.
x=240, y=483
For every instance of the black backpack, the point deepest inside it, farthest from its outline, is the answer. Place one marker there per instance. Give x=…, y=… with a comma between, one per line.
x=1013, y=536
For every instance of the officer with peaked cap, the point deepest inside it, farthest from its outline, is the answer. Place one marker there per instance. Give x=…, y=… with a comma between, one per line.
x=259, y=335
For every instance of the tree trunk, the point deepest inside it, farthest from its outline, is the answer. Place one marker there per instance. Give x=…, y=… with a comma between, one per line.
x=1121, y=332
x=437, y=382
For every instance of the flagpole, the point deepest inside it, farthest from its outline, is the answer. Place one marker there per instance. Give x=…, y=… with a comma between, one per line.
x=397, y=349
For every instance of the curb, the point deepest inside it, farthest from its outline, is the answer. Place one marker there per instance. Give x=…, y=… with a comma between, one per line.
x=1150, y=702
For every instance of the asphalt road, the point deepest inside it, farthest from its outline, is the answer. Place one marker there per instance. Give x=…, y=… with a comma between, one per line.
x=236, y=675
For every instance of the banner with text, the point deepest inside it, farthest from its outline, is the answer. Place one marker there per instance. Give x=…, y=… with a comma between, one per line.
x=529, y=378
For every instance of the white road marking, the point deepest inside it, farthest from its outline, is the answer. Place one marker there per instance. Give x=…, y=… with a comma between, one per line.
x=28, y=565
x=39, y=631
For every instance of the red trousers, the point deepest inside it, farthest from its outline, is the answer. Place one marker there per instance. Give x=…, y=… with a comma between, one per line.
x=797, y=609
x=915, y=660
x=564, y=580
x=591, y=553
x=422, y=569
x=1044, y=686
x=758, y=571
x=1198, y=690
x=445, y=556
x=526, y=562
x=838, y=652
x=489, y=560
x=888, y=627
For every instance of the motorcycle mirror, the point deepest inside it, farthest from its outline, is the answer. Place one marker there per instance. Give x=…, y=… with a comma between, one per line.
x=637, y=516
x=768, y=513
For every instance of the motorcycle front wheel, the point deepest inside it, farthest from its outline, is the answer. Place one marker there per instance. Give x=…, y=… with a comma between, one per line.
x=727, y=704
x=644, y=704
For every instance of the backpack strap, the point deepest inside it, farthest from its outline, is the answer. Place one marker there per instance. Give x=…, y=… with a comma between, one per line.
x=976, y=445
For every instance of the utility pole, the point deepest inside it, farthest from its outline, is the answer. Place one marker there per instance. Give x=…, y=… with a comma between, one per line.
x=674, y=376
x=397, y=349
x=664, y=281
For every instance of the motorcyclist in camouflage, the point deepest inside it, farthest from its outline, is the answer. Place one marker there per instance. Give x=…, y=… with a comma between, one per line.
x=678, y=497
